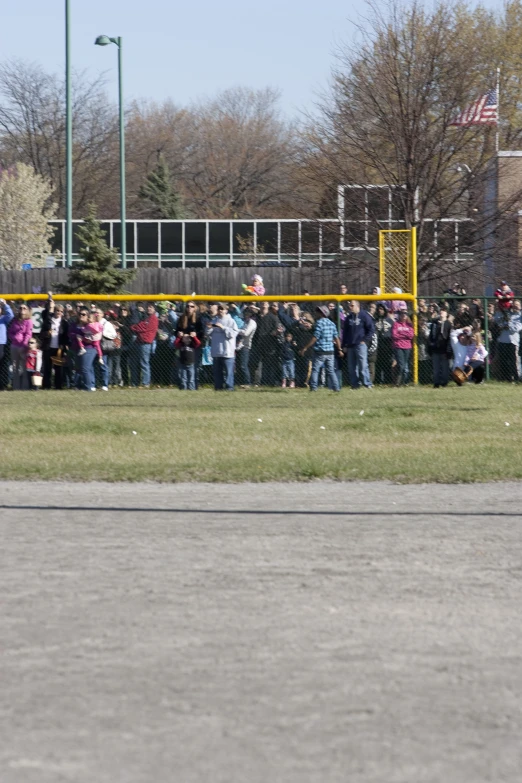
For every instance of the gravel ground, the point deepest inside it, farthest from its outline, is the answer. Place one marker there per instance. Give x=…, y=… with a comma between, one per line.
x=361, y=633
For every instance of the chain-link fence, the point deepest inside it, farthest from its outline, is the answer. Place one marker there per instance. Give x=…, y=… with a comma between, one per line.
x=265, y=344
x=497, y=321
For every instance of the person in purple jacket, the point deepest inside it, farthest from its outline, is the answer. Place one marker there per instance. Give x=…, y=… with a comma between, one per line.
x=358, y=331
x=20, y=331
x=6, y=316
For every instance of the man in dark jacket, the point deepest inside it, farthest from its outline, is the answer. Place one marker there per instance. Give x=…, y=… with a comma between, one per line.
x=439, y=347
x=54, y=337
x=267, y=344
x=358, y=331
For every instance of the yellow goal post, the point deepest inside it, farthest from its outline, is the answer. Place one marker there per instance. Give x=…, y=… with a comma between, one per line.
x=398, y=269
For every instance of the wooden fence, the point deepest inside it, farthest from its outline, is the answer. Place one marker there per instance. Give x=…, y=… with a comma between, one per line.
x=227, y=281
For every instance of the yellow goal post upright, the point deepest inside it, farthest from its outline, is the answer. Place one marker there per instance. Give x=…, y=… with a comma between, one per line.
x=398, y=269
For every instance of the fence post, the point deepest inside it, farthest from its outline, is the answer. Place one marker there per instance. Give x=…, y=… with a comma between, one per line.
x=486, y=336
x=413, y=252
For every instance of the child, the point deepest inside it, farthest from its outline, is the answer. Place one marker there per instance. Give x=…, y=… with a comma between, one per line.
x=92, y=335
x=395, y=306
x=33, y=364
x=288, y=356
x=504, y=296
x=476, y=357
x=187, y=345
x=257, y=288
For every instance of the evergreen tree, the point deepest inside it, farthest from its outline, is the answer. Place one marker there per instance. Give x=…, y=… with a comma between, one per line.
x=96, y=272
x=158, y=192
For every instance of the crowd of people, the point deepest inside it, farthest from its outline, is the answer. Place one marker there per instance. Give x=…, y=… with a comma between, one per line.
x=282, y=344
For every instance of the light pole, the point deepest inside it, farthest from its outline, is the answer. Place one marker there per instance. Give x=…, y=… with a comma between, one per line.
x=68, y=138
x=463, y=168
x=104, y=40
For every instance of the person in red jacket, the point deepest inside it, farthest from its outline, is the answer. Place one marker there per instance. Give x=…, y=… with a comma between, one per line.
x=402, y=339
x=145, y=331
x=504, y=296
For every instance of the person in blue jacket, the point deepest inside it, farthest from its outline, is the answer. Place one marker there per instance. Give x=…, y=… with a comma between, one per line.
x=358, y=331
x=6, y=316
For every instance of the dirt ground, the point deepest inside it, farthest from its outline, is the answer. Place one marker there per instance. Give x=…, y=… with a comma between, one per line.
x=290, y=633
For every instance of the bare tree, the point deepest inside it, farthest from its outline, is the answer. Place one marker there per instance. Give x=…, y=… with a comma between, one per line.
x=242, y=156
x=228, y=157
x=157, y=132
x=232, y=156
x=389, y=121
x=32, y=130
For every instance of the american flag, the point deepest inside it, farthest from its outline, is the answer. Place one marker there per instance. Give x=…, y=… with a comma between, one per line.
x=481, y=112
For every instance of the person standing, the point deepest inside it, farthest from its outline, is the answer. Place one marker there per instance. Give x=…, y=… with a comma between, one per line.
x=373, y=345
x=246, y=335
x=190, y=321
x=33, y=365
x=267, y=344
x=324, y=342
x=303, y=365
x=439, y=347
x=20, y=331
x=187, y=344
x=223, y=334
x=383, y=329
x=85, y=356
x=125, y=321
x=358, y=331
x=145, y=332
x=288, y=361
x=107, y=337
x=402, y=340
x=507, y=326
x=6, y=316
x=54, y=338
x=112, y=349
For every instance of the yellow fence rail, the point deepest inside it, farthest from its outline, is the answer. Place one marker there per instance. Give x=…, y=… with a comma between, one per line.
x=206, y=298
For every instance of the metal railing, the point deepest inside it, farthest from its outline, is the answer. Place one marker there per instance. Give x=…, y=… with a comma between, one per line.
x=206, y=243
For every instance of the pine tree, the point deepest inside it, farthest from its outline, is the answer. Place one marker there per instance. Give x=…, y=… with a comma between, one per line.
x=96, y=272
x=163, y=200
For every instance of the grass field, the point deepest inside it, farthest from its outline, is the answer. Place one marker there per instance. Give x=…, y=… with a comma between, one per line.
x=405, y=435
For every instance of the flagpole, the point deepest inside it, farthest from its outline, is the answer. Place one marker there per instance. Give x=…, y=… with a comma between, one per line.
x=497, y=137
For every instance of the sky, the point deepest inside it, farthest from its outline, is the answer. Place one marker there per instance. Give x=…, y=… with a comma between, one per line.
x=187, y=51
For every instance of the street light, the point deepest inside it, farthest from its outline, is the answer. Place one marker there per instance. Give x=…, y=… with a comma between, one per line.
x=104, y=40
x=463, y=168
x=68, y=138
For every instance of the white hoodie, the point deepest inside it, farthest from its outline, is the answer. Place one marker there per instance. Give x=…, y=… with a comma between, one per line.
x=223, y=341
x=459, y=351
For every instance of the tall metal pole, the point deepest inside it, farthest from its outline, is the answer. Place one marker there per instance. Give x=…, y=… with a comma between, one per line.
x=68, y=138
x=413, y=266
x=122, y=158
x=497, y=134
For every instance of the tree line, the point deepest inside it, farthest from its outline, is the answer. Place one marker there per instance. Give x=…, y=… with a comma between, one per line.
x=386, y=118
